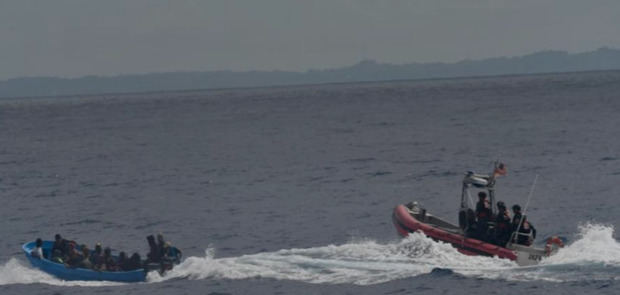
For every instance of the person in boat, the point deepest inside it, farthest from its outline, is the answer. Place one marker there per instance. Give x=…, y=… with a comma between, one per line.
x=503, y=226
x=483, y=216
x=109, y=261
x=38, y=250
x=527, y=233
x=122, y=262
x=154, y=255
x=161, y=244
x=60, y=244
x=96, y=258
x=85, y=263
x=135, y=262
x=516, y=216
x=171, y=256
x=166, y=261
x=74, y=257
x=172, y=253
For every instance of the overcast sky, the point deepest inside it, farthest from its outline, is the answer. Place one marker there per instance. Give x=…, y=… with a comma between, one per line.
x=71, y=38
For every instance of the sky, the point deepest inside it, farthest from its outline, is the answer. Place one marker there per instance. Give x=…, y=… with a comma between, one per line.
x=73, y=38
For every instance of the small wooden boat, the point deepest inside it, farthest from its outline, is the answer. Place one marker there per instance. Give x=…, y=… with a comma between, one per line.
x=78, y=274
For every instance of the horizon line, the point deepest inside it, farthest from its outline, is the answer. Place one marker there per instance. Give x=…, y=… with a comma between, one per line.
x=361, y=61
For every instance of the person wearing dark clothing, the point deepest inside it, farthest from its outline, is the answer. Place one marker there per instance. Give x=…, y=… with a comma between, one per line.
x=96, y=258
x=483, y=216
x=122, y=261
x=527, y=233
x=73, y=257
x=134, y=262
x=483, y=210
x=109, y=261
x=161, y=244
x=60, y=244
x=516, y=210
x=154, y=254
x=503, y=227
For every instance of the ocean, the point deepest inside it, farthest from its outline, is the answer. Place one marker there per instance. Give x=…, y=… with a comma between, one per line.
x=290, y=190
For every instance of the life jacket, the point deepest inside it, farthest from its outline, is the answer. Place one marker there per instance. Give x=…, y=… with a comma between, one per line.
x=503, y=221
x=482, y=210
x=515, y=221
x=524, y=234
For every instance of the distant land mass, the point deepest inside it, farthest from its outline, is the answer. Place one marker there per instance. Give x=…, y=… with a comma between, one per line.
x=368, y=70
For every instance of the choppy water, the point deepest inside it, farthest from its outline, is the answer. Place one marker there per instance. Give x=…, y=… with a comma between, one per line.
x=290, y=190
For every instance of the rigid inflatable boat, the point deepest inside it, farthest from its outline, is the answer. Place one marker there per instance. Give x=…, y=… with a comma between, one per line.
x=412, y=217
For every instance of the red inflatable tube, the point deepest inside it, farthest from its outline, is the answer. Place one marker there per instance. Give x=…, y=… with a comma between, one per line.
x=405, y=224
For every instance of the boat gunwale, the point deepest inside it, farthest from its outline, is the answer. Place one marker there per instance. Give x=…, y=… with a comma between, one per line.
x=82, y=274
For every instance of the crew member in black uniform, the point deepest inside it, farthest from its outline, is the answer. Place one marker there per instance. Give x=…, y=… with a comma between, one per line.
x=527, y=232
x=483, y=216
x=503, y=227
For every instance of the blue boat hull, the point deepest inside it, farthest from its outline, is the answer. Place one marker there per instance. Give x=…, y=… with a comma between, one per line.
x=79, y=274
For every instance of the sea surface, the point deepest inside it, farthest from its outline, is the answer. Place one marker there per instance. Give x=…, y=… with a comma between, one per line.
x=290, y=190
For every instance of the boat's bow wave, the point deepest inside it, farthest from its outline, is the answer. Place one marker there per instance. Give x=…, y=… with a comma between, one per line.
x=594, y=255
x=594, y=244
x=15, y=271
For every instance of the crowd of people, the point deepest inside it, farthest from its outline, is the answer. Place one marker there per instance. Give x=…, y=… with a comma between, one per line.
x=500, y=228
x=72, y=255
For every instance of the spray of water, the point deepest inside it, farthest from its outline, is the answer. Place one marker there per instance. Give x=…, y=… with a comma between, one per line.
x=594, y=255
x=14, y=272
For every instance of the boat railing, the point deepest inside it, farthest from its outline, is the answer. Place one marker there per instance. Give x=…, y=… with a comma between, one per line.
x=515, y=237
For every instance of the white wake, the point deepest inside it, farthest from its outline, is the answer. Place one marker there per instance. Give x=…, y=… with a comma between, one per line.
x=594, y=255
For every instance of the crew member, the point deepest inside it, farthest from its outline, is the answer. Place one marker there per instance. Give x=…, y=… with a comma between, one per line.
x=483, y=215
x=526, y=231
x=516, y=210
x=503, y=227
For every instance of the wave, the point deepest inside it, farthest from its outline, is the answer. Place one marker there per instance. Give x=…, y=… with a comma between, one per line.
x=14, y=272
x=360, y=262
x=594, y=255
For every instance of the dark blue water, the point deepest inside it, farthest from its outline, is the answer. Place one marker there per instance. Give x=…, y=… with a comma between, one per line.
x=290, y=190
